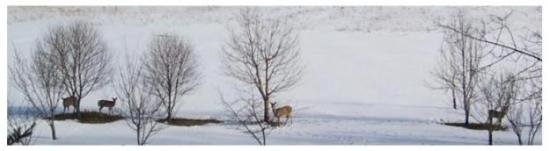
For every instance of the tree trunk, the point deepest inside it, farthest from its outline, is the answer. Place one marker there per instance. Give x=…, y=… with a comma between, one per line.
x=169, y=116
x=77, y=107
x=266, y=111
x=531, y=137
x=52, y=127
x=169, y=104
x=138, y=130
x=520, y=142
x=466, y=111
x=465, y=100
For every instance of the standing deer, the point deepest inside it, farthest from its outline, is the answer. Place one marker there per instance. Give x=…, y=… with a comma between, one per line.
x=68, y=102
x=285, y=111
x=106, y=103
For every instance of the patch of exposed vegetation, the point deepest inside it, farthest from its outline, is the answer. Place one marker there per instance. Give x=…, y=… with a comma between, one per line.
x=90, y=117
x=478, y=126
x=188, y=122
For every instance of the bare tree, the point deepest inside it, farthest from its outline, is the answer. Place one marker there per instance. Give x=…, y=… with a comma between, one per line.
x=447, y=74
x=515, y=46
x=535, y=121
x=82, y=58
x=462, y=59
x=526, y=114
x=263, y=53
x=141, y=108
x=39, y=82
x=515, y=117
x=171, y=70
x=498, y=95
x=246, y=112
x=502, y=29
x=524, y=48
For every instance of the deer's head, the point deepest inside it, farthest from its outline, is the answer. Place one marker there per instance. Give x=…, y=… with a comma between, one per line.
x=114, y=99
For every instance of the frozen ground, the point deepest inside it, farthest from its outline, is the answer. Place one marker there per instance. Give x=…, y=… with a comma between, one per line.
x=366, y=80
x=346, y=123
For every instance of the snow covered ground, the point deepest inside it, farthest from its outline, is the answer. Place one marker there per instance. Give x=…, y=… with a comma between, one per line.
x=366, y=80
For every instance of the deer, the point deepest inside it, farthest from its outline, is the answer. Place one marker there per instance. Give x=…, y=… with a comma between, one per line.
x=285, y=111
x=106, y=103
x=498, y=114
x=68, y=102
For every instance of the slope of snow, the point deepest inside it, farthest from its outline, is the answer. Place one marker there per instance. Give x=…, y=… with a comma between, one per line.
x=366, y=79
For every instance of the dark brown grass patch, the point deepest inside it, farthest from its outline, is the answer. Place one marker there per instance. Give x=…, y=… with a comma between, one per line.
x=189, y=122
x=90, y=117
x=478, y=126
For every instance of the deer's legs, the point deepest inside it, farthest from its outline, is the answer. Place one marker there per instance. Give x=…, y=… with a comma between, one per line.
x=287, y=118
x=101, y=107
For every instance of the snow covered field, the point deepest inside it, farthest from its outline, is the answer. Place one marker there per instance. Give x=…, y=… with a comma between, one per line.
x=366, y=80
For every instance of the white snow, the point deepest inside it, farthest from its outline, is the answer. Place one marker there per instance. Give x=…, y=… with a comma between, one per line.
x=366, y=79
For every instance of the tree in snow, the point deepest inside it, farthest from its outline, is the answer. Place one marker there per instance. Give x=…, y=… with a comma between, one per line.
x=263, y=53
x=461, y=68
x=447, y=77
x=526, y=116
x=522, y=46
x=39, y=81
x=171, y=71
x=80, y=56
x=141, y=107
x=514, y=45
